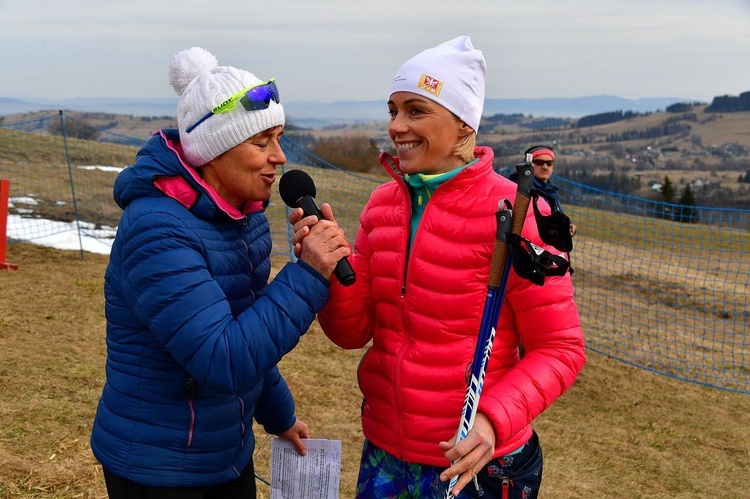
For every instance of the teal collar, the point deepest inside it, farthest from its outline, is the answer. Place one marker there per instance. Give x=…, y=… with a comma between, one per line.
x=424, y=184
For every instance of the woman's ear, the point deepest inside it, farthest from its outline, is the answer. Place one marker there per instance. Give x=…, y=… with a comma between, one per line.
x=465, y=130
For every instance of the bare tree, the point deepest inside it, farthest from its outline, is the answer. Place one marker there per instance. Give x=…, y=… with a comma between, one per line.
x=73, y=128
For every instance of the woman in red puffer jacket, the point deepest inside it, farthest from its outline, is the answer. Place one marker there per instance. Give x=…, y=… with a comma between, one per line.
x=422, y=258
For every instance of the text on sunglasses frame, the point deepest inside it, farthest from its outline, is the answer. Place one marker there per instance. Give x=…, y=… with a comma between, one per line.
x=253, y=98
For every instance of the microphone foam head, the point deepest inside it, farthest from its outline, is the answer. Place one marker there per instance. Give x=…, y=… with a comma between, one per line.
x=295, y=184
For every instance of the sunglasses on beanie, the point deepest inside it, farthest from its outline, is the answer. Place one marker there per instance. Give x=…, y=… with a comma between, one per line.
x=253, y=98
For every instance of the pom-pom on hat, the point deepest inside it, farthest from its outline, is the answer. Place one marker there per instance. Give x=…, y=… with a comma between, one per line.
x=452, y=74
x=202, y=84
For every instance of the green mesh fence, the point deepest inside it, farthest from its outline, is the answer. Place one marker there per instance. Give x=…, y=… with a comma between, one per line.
x=60, y=184
x=663, y=286
x=659, y=286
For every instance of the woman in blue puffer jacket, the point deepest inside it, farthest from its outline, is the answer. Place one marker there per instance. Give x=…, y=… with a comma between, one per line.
x=194, y=329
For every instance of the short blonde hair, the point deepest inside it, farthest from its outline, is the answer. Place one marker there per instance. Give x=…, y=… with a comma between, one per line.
x=465, y=148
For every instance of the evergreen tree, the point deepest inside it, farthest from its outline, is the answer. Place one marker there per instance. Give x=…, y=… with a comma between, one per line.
x=686, y=212
x=667, y=190
x=666, y=210
x=687, y=198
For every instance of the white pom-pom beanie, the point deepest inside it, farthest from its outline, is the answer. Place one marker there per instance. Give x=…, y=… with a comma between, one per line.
x=202, y=85
x=452, y=74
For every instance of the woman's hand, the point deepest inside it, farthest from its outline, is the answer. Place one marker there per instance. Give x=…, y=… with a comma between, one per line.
x=301, y=226
x=295, y=434
x=319, y=243
x=472, y=453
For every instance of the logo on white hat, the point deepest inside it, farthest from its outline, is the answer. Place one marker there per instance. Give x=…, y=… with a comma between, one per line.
x=430, y=84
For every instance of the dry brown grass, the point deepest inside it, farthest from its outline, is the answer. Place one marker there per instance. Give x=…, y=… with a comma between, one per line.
x=620, y=432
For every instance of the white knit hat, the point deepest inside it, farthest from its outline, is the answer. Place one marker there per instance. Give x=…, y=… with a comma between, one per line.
x=202, y=85
x=452, y=74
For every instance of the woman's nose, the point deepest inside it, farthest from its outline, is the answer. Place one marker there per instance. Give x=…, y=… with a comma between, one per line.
x=397, y=126
x=277, y=156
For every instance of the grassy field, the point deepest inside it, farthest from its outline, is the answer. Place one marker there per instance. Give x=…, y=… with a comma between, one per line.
x=619, y=432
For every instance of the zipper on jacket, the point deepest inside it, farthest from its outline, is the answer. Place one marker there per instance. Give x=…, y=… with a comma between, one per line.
x=191, y=409
x=397, y=392
x=247, y=252
x=409, y=213
x=242, y=421
x=242, y=229
x=407, y=189
x=402, y=351
x=407, y=262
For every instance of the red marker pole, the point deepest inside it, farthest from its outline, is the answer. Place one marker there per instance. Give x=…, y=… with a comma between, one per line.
x=4, y=196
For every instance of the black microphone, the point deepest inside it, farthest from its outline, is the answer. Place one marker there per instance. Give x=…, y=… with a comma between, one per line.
x=297, y=189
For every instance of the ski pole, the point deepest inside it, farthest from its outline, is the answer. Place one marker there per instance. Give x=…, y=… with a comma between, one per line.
x=507, y=221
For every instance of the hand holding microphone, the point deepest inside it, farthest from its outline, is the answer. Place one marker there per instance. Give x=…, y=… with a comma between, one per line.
x=297, y=190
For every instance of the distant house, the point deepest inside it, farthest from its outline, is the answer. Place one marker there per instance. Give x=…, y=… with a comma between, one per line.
x=700, y=183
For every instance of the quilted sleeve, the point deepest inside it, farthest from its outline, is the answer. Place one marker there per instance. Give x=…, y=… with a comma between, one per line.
x=275, y=408
x=167, y=283
x=347, y=318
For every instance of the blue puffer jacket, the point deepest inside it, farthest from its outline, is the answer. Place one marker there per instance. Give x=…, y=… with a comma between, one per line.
x=194, y=329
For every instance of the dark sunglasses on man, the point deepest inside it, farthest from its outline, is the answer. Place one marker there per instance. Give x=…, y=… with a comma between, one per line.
x=542, y=162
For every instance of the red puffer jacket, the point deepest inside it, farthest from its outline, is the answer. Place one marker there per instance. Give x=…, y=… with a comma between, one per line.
x=422, y=313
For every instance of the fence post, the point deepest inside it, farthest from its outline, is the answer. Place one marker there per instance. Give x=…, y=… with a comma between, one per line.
x=4, y=196
x=72, y=182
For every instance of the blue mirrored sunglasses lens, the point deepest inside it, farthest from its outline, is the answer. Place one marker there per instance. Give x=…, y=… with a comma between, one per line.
x=258, y=98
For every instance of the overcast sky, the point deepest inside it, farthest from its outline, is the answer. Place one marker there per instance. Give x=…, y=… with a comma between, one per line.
x=333, y=50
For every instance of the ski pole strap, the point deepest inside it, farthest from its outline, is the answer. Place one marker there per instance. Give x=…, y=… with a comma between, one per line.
x=554, y=229
x=533, y=262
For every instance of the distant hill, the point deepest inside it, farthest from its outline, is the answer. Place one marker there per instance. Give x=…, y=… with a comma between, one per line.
x=576, y=107
x=135, y=107
x=316, y=114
